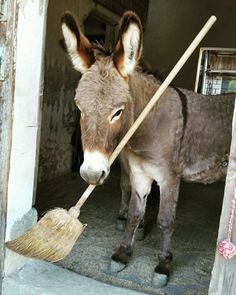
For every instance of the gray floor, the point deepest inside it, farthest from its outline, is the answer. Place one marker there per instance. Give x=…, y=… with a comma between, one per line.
x=41, y=278
x=193, y=242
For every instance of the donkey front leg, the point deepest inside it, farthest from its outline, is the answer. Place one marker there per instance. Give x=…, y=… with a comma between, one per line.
x=141, y=186
x=169, y=191
x=125, y=200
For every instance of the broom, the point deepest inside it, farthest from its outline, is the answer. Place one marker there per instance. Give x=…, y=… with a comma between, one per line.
x=53, y=237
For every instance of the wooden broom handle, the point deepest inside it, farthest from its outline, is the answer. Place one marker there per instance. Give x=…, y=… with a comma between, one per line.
x=153, y=101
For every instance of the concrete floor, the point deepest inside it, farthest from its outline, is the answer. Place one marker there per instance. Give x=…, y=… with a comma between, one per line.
x=193, y=242
x=42, y=278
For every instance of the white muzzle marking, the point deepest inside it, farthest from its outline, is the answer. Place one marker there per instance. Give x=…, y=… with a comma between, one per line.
x=95, y=167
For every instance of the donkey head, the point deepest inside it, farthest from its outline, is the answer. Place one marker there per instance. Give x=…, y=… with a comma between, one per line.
x=103, y=95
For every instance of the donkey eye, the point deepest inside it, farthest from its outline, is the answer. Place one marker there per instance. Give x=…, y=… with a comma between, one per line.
x=116, y=115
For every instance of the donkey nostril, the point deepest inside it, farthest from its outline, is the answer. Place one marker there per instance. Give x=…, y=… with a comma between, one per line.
x=102, y=177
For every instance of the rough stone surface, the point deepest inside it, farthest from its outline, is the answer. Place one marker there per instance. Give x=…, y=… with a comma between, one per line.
x=14, y=261
x=41, y=278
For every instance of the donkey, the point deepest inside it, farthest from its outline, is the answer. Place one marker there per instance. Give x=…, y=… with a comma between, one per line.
x=186, y=136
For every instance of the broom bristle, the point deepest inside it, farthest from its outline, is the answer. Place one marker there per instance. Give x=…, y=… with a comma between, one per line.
x=51, y=239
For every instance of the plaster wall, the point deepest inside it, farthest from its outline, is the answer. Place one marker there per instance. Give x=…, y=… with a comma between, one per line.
x=26, y=114
x=27, y=47
x=173, y=24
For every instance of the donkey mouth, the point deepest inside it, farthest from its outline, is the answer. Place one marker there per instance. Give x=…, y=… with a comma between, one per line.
x=94, y=177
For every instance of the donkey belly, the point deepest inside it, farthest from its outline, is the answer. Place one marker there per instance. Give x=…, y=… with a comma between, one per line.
x=206, y=171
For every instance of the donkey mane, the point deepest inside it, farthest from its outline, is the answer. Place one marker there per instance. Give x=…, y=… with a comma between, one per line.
x=101, y=50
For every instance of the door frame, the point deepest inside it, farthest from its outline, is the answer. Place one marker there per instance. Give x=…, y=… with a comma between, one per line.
x=7, y=42
x=21, y=107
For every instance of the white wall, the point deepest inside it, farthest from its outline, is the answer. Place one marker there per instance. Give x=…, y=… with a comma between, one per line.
x=26, y=110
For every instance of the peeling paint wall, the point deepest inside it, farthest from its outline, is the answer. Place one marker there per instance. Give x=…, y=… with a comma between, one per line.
x=22, y=4
x=60, y=82
x=57, y=120
x=7, y=42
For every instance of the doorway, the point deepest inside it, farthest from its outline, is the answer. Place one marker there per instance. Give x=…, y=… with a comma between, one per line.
x=58, y=123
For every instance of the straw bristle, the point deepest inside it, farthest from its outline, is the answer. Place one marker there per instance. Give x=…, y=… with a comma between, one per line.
x=51, y=239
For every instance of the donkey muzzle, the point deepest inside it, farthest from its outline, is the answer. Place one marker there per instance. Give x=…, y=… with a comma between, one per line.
x=95, y=168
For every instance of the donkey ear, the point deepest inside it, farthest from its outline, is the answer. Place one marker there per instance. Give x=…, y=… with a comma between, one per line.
x=76, y=44
x=129, y=46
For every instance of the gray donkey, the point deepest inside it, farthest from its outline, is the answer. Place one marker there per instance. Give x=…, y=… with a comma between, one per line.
x=186, y=136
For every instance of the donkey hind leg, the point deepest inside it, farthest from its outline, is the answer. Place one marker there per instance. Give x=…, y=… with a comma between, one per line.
x=125, y=198
x=141, y=187
x=169, y=192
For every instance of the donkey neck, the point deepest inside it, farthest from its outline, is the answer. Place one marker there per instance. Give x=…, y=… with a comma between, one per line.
x=142, y=87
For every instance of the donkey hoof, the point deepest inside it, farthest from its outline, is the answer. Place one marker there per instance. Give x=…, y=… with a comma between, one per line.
x=116, y=266
x=159, y=280
x=139, y=235
x=120, y=224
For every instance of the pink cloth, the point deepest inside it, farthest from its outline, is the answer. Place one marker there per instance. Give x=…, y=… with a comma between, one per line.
x=226, y=248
